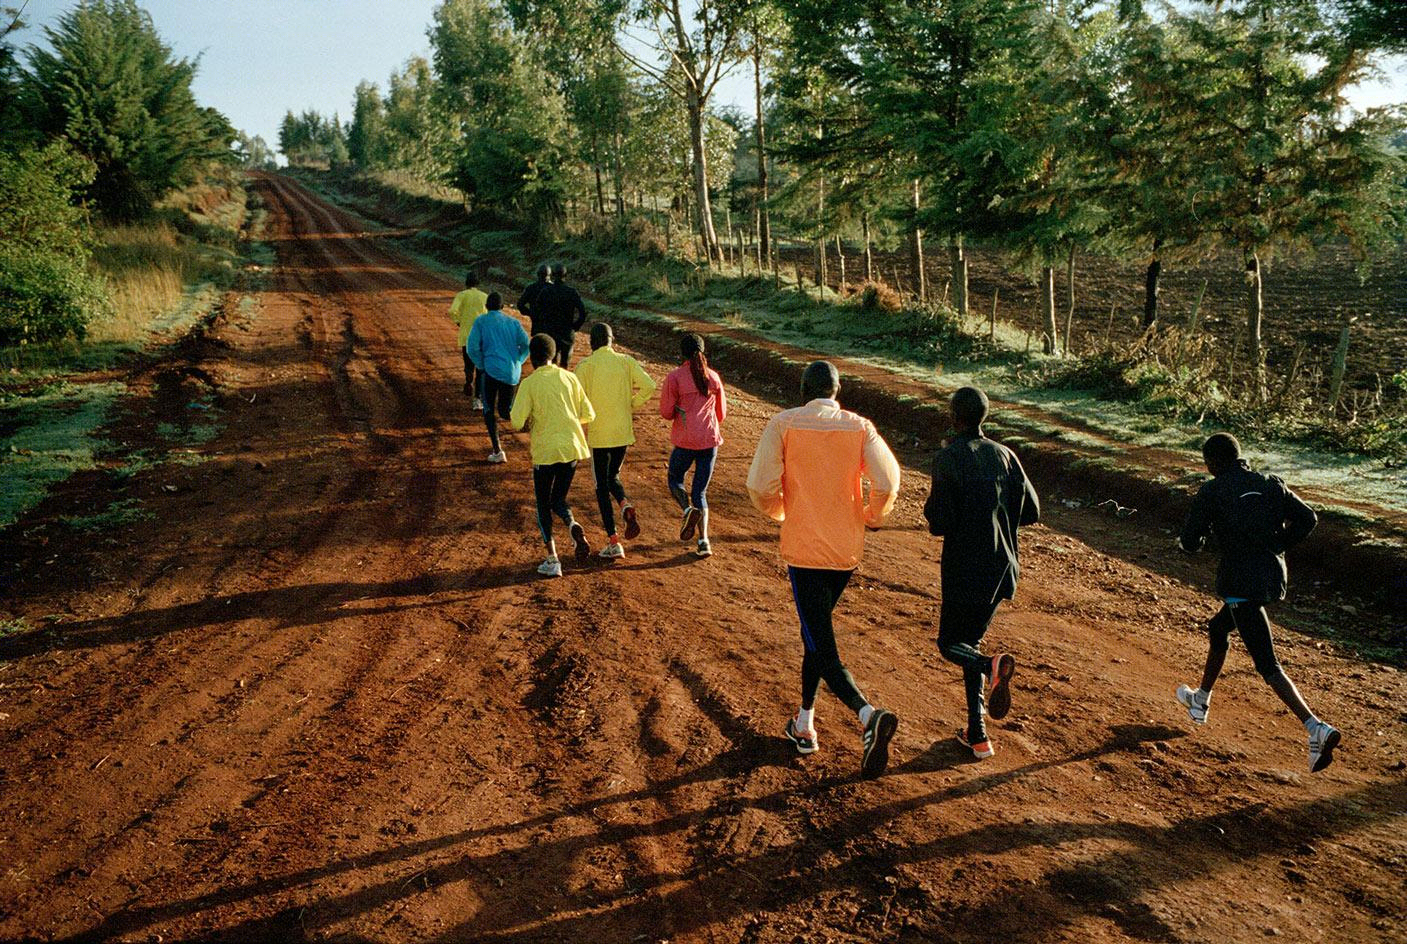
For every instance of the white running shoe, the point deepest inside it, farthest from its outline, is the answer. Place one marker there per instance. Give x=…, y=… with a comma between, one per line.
x=497, y=458
x=805, y=741
x=704, y=549
x=1197, y=704
x=552, y=567
x=613, y=551
x=1322, y=741
x=478, y=405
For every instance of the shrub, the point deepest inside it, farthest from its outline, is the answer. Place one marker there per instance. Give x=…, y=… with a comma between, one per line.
x=876, y=296
x=45, y=297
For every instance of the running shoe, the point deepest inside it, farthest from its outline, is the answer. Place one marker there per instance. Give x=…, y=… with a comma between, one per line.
x=690, y=524
x=805, y=743
x=477, y=405
x=1322, y=741
x=980, y=749
x=612, y=550
x=875, y=741
x=552, y=567
x=1197, y=705
x=583, y=547
x=999, y=699
x=632, y=524
x=704, y=549
x=497, y=458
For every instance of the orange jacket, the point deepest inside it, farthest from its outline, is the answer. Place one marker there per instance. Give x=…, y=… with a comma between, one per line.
x=807, y=474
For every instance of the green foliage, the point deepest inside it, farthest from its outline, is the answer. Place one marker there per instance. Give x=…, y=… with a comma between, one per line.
x=110, y=86
x=310, y=139
x=46, y=292
x=254, y=153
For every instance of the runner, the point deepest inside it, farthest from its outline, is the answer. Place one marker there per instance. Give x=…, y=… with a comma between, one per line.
x=693, y=398
x=616, y=385
x=980, y=496
x=468, y=305
x=551, y=406
x=807, y=474
x=528, y=299
x=497, y=345
x=1256, y=519
x=559, y=308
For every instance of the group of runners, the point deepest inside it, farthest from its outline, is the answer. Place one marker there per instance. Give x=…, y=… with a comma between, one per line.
x=809, y=472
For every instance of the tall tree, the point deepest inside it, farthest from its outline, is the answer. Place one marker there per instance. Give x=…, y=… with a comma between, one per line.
x=366, y=136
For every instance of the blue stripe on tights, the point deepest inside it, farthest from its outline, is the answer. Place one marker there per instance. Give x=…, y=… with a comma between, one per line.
x=805, y=633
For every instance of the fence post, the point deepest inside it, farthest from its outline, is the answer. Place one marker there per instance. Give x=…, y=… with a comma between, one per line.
x=1340, y=363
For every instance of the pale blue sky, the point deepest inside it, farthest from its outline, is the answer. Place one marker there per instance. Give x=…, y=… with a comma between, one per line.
x=260, y=58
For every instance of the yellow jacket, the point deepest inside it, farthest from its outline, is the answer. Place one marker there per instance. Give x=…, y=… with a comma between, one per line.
x=807, y=474
x=551, y=406
x=617, y=386
x=467, y=305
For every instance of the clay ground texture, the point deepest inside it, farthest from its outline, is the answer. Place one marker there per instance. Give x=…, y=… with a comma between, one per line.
x=320, y=694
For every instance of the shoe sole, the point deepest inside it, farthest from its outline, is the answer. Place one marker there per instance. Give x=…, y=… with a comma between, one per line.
x=876, y=759
x=703, y=552
x=980, y=755
x=583, y=549
x=632, y=526
x=1195, y=719
x=999, y=701
x=690, y=525
x=1326, y=755
x=604, y=556
x=797, y=742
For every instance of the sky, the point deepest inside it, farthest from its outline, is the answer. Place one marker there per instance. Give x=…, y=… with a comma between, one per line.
x=260, y=58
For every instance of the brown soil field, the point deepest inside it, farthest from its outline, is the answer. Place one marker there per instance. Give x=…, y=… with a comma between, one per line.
x=322, y=695
x=1306, y=294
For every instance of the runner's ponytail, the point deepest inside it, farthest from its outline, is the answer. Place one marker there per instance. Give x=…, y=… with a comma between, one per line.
x=691, y=346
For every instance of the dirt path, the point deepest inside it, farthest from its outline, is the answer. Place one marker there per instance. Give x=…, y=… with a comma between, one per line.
x=322, y=695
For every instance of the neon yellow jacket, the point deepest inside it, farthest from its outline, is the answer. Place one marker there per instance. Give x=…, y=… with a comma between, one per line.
x=467, y=305
x=617, y=386
x=551, y=406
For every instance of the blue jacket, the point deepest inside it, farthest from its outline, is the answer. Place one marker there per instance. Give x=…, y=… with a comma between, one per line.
x=498, y=345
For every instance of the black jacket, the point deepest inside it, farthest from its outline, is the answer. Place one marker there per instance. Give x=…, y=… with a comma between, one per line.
x=559, y=309
x=980, y=495
x=1256, y=519
x=528, y=300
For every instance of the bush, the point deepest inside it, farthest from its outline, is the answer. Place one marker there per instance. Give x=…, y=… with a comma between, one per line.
x=45, y=297
x=876, y=296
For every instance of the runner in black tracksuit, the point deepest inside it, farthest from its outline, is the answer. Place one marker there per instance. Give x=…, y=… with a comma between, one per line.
x=1256, y=519
x=980, y=496
x=561, y=311
x=528, y=300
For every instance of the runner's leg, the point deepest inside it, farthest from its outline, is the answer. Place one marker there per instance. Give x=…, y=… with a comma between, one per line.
x=816, y=593
x=542, y=490
x=1254, y=627
x=601, y=471
x=703, y=474
x=961, y=627
x=562, y=475
x=1218, y=641
x=468, y=373
x=493, y=391
x=679, y=462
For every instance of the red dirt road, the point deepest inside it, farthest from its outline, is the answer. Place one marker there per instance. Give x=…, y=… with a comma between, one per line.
x=322, y=695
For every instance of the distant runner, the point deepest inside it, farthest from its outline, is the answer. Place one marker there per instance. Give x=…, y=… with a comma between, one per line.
x=528, y=300
x=497, y=345
x=616, y=385
x=551, y=406
x=1256, y=519
x=468, y=305
x=559, y=309
x=980, y=496
x=692, y=396
x=807, y=474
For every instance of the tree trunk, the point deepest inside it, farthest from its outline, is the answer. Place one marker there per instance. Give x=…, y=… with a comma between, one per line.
x=869, y=259
x=600, y=192
x=821, y=239
x=764, y=226
x=1150, y=292
x=916, y=250
x=958, y=261
x=619, y=170
x=1255, y=310
x=705, y=209
x=840, y=254
x=1069, y=295
x=1052, y=331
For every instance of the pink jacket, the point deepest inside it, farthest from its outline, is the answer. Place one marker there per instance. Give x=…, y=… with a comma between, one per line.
x=696, y=416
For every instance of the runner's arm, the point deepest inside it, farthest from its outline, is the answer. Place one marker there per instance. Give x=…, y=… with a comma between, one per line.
x=1199, y=522
x=1030, y=501
x=669, y=398
x=643, y=386
x=580, y=310
x=585, y=412
x=721, y=404
x=938, y=509
x=1300, y=519
x=521, y=414
x=879, y=464
x=764, y=478
x=524, y=343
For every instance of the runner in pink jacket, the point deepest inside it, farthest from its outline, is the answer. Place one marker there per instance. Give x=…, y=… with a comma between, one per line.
x=692, y=396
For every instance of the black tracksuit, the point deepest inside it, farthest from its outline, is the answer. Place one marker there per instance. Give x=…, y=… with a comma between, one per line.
x=560, y=309
x=1256, y=519
x=527, y=302
x=980, y=496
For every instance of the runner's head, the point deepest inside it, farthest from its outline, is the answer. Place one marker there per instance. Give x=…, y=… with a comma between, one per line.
x=559, y=271
x=542, y=271
x=1221, y=451
x=471, y=279
x=601, y=335
x=542, y=349
x=691, y=348
x=494, y=302
x=821, y=381
x=969, y=409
